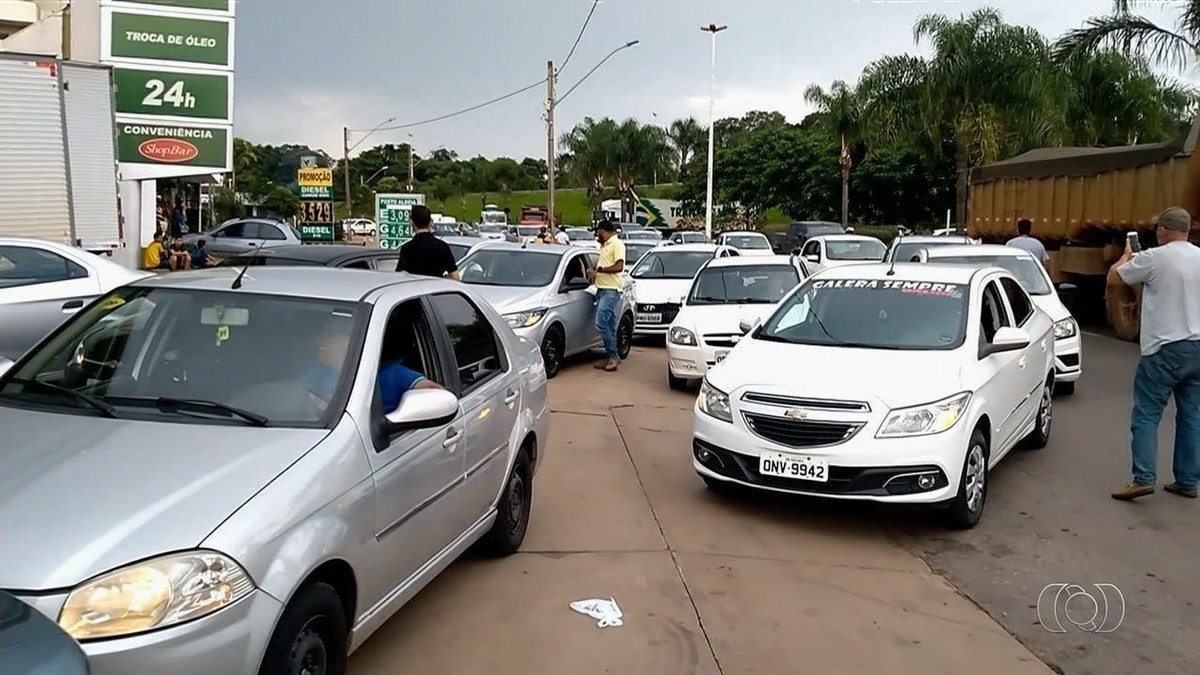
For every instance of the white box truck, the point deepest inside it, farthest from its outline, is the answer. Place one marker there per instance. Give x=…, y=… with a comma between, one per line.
x=58, y=168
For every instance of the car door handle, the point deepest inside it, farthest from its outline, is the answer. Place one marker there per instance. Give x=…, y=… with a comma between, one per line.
x=72, y=306
x=452, y=437
x=511, y=398
x=1021, y=362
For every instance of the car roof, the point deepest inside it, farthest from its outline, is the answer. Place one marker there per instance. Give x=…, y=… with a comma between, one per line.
x=752, y=261
x=740, y=233
x=823, y=223
x=843, y=237
x=691, y=248
x=318, y=253
x=557, y=249
x=326, y=283
x=954, y=274
x=979, y=250
x=465, y=241
x=929, y=238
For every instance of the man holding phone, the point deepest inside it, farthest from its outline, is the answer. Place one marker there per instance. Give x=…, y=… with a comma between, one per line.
x=1170, y=343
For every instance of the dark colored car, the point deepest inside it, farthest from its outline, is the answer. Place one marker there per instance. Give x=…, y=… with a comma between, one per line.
x=31, y=643
x=801, y=231
x=323, y=255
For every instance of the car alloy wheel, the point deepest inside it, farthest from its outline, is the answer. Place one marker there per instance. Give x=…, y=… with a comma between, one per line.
x=976, y=478
x=552, y=348
x=625, y=337
x=1040, y=436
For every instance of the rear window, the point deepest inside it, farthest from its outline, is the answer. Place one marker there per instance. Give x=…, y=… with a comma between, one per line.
x=263, y=260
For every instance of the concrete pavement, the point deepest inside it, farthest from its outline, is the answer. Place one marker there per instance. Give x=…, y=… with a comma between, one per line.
x=746, y=585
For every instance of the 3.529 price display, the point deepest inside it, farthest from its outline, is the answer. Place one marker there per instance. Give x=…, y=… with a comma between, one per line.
x=316, y=212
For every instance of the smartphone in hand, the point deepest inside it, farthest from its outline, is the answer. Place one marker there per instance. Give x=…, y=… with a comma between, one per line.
x=1135, y=244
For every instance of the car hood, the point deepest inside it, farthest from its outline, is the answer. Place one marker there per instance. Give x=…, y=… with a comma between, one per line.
x=755, y=252
x=1052, y=306
x=709, y=319
x=659, y=291
x=507, y=299
x=895, y=379
x=80, y=496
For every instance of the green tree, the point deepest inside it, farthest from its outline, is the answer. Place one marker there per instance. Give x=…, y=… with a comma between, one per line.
x=282, y=201
x=840, y=115
x=688, y=138
x=1113, y=99
x=1133, y=34
x=388, y=184
x=593, y=146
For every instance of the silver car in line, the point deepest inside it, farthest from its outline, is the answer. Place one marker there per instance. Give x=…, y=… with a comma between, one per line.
x=232, y=472
x=242, y=235
x=543, y=292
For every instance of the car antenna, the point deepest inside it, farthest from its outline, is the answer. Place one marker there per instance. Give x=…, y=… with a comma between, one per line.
x=237, y=281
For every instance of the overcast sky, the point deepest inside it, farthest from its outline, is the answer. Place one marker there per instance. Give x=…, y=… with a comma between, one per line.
x=305, y=68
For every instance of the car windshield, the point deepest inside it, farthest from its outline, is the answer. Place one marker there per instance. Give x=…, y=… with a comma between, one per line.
x=867, y=249
x=1027, y=270
x=515, y=267
x=529, y=231
x=580, y=234
x=872, y=313
x=634, y=250
x=692, y=237
x=642, y=235
x=196, y=357
x=817, y=230
x=752, y=284
x=749, y=241
x=905, y=250
x=492, y=229
x=494, y=218
x=670, y=264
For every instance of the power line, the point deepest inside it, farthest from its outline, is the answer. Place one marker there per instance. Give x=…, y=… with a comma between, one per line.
x=464, y=111
x=579, y=37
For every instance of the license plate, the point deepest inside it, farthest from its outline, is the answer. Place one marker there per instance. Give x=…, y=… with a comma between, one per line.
x=649, y=318
x=793, y=466
x=720, y=355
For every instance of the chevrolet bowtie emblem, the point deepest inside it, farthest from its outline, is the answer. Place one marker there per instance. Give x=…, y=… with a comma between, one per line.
x=795, y=414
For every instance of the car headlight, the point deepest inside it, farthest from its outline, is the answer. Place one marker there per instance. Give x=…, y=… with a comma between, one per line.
x=525, y=319
x=681, y=336
x=714, y=402
x=923, y=420
x=1065, y=328
x=154, y=594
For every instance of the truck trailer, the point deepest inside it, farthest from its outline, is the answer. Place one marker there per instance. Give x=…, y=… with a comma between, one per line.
x=1082, y=202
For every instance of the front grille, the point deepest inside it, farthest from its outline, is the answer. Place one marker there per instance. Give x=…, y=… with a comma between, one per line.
x=800, y=433
x=668, y=310
x=1069, y=360
x=727, y=340
x=807, y=403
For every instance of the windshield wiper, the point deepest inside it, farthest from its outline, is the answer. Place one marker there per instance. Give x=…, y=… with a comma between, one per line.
x=87, y=399
x=709, y=299
x=170, y=404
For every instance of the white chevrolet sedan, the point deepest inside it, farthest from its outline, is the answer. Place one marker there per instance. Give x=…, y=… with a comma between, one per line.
x=902, y=383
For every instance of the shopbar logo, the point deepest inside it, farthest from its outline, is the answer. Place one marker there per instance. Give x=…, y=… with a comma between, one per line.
x=169, y=150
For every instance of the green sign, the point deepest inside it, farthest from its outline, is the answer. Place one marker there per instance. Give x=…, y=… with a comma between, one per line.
x=392, y=214
x=315, y=192
x=171, y=38
x=216, y=5
x=155, y=92
x=172, y=145
x=316, y=231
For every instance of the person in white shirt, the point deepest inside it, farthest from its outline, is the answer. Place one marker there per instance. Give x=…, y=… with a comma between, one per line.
x=1170, y=343
x=1027, y=243
x=560, y=236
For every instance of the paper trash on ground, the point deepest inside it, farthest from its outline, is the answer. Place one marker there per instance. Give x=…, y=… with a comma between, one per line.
x=606, y=612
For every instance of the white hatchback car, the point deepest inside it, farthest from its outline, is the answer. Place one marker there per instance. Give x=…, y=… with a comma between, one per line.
x=1068, y=347
x=725, y=291
x=747, y=243
x=902, y=384
x=832, y=250
x=662, y=277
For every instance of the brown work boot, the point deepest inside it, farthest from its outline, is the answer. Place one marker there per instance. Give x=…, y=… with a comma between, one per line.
x=1177, y=489
x=1132, y=491
x=612, y=364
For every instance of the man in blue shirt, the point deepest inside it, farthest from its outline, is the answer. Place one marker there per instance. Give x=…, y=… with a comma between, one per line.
x=393, y=381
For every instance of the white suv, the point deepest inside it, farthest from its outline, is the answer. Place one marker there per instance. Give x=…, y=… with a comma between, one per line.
x=902, y=383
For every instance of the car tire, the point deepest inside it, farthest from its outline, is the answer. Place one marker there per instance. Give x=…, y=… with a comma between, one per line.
x=1064, y=388
x=552, y=351
x=1040, y=436
x=676, y=383
x=371, y=233
x=964, y=511
x=512, y=512
x=625, y=336
x=311, y=636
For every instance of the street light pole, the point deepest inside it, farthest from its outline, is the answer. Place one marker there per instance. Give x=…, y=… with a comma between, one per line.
x=712, y=29
x=385, y=167
x=346, y=148
x=551, y=158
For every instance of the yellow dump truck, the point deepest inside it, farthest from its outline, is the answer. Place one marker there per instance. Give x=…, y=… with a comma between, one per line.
x=1082, y=202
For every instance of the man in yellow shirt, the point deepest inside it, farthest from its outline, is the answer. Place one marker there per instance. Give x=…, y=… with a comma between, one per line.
x=609, y=286
x=152, y=255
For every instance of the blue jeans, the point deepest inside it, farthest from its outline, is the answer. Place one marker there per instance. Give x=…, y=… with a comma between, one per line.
x=608, y=301
x=1173, y=369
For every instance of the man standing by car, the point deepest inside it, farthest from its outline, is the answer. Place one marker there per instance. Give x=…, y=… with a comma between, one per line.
x=1025, y=242
x=425, y=254
x=1170, y=340
x=609, y=284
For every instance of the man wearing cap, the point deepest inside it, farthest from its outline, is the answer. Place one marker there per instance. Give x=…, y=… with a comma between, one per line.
x=609, y=285
x=1170, y=365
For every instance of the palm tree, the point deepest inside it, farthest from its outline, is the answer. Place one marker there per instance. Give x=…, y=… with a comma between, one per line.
x=840, y=114
x=640, y=151
x=687, y=137
x=1114, y=99
x=593, y=149
x=244, y=157
x=1132, y=34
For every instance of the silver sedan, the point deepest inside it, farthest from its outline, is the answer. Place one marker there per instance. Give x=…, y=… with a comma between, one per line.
x=272, y=466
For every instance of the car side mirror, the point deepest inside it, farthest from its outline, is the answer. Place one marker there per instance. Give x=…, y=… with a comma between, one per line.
x=1007, y=339
x=5, y=364
x=749, y=323
x=423, y=409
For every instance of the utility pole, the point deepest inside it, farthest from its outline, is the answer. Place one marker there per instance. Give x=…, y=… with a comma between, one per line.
x=550, y=154
x=346, y=167
x=410, y=167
